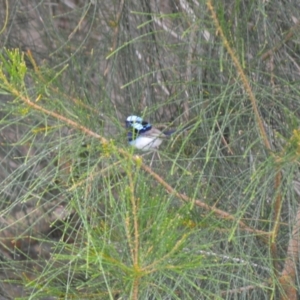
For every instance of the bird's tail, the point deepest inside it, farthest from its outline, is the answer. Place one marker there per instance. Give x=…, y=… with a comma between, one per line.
x=176, y=131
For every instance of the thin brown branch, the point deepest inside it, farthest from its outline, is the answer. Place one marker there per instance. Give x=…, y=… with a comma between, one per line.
x=220, y=213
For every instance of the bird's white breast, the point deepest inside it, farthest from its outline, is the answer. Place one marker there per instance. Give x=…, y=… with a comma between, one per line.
x=146, y=143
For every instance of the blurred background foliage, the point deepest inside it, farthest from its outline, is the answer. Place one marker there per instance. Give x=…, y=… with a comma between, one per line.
x=217, y=214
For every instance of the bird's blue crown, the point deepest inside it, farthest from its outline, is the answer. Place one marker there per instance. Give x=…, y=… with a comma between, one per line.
x=134, y=119
x=138, y=127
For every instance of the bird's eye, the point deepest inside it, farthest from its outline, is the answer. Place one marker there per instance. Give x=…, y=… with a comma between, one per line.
x=128, y=124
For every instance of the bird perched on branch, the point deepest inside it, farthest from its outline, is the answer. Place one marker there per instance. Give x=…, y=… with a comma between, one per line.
x=143, y=135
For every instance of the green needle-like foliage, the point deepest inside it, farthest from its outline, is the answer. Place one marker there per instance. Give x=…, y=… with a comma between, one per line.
x=85, y=216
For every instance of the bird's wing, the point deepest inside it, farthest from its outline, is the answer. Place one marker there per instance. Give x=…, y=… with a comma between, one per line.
x=153, y=132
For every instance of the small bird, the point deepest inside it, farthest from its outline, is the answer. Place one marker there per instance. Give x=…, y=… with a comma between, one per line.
x=142, y=135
